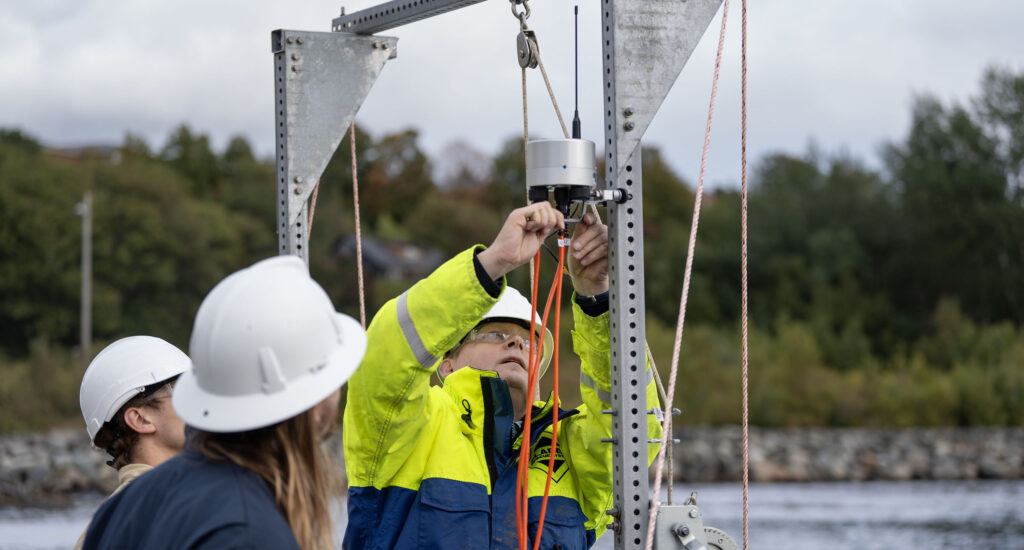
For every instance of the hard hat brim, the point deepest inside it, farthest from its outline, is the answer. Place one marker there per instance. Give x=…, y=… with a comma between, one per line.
x=223, y=413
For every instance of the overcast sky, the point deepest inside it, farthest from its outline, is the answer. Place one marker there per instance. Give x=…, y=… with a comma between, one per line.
x=840, y=73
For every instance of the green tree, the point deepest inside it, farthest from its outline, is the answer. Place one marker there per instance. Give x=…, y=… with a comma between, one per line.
x=191, y=155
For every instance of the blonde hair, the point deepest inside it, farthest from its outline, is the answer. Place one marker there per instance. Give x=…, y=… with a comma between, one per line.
x=289, y=458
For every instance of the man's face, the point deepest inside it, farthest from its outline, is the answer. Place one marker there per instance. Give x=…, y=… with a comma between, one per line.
x=487, y=351
x=170, y=430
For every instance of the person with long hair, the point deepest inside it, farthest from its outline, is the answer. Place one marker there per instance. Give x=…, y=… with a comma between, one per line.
x=267, y=348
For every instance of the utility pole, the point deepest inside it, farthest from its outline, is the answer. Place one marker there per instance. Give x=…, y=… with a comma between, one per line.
x=84, y=209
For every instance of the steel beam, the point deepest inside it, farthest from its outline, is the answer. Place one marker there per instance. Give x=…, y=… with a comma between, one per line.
x=321, y=79
x=394, y=14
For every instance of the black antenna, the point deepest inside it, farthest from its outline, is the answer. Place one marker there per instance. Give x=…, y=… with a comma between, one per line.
x=576, y=132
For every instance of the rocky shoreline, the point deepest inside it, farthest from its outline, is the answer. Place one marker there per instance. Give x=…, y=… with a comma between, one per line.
x=48, y=469
x=830, y=454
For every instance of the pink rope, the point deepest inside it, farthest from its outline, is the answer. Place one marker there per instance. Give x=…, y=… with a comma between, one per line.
x=743, y=269
x=359, y=233
x=312, y=209
x=666, y=436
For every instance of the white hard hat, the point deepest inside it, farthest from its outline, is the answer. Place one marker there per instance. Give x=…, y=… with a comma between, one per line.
x=123, y=370
x=266, y=345
x=513, y=307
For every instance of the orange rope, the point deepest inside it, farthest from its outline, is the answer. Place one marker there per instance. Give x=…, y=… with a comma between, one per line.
x=520, y=523
x=554, y=393
x=522, y=481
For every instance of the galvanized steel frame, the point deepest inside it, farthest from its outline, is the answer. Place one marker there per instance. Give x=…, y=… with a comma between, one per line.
x=645, y=45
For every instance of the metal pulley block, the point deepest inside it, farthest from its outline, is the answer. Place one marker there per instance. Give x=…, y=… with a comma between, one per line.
x=526, y=49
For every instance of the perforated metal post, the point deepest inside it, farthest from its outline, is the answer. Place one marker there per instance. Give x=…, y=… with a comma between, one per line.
x=644, y=47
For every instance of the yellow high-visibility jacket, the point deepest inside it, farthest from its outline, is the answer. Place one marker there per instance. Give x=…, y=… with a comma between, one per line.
x=435, y=467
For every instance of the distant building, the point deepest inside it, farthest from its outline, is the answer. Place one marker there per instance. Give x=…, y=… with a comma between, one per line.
x=389, y=259
x=109, y=153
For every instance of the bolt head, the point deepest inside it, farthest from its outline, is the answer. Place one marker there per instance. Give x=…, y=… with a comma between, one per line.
x=628, y=126
x=298, y=40
x=376, y=45
x=290, y=40
x=693, y=514
x=628, y=111
x=298, y=190
x=298, y=179
x=295, y=57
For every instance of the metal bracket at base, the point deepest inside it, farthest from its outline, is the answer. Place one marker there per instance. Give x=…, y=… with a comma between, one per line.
x=680, y=527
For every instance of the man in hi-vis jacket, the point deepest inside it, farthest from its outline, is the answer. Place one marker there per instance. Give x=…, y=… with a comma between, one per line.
x=436, y=467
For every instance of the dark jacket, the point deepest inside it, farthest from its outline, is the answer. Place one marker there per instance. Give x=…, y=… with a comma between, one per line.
x=191, y=501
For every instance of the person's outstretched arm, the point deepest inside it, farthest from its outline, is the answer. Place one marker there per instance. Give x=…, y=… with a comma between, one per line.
x=387, y=407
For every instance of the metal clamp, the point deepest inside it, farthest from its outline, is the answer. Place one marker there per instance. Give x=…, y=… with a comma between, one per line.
x=615, y=195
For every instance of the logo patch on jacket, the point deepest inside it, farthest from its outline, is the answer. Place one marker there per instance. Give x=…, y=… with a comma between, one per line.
x=541, y=455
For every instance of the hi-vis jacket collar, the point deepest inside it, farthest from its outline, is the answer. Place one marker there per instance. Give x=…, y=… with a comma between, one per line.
x=481, y=397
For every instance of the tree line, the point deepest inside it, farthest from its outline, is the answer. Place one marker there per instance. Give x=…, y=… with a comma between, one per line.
x=889, y=296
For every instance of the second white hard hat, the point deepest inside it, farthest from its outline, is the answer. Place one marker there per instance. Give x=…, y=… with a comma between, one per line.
x=123, y=370
x=266, y=345
x=512, y=306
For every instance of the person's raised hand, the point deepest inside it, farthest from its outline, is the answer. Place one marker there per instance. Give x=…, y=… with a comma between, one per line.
x=588, y=257
x=520, y=237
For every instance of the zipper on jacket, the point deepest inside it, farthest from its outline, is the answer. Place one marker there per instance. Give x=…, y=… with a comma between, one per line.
x=485, y=391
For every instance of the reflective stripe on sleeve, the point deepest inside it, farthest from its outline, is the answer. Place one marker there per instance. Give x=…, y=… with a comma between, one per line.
x=412, y=337
x=605, y=396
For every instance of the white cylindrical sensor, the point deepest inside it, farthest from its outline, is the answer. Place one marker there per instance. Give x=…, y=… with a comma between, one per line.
x=560, y=163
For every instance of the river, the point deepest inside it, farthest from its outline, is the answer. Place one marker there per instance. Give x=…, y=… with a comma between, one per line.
x=805, y=516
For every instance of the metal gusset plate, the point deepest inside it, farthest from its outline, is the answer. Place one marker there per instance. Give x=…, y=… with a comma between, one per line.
x=320, y=80
x=652, y=40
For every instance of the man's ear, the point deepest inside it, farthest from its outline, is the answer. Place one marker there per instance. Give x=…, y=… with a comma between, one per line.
x=137, y=419
x=446, y=367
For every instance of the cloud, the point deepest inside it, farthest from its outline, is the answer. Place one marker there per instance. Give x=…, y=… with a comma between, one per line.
x=842, y=74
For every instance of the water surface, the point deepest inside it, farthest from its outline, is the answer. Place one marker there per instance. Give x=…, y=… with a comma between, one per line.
x=795, y=516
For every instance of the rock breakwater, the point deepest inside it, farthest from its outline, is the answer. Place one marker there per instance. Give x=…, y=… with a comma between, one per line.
x=45, y=469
